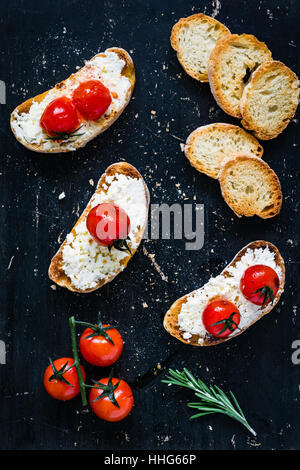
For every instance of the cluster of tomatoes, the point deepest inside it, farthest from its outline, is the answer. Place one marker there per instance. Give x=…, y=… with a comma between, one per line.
x=259, y=285
x=63, y=116
x=101, y=345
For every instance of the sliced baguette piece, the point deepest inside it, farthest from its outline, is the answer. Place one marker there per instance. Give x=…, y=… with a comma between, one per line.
x=270, y=99
x=217, y=287
x=208, y=146
x=193, y=38
x=94, y=252
x=230, y=66
x=250, y=187
x=120, y=80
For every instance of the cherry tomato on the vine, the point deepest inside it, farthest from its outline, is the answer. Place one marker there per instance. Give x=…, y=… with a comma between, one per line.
x=259, y=284
x=102, y=346
x=113, y=400
x=220, y=318
x=61, y=380
x=60, y=118
x=92, y=99
x=109, y=225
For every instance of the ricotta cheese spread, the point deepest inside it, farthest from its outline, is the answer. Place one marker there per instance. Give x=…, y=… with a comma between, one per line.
x=190, y=316
x=107, y=68
x=86, y=262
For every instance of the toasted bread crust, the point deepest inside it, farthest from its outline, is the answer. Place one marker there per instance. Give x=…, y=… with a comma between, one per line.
x=56, y=271
x=184, y=22
x=240, y=207
x=208, y=129
x=261, y=130
x=214, y=63
x=171, y=318
x=128, y=71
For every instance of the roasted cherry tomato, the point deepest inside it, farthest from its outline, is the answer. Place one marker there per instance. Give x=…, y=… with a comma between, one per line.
x=92, y=99
x=259, y=284
x=101, y=345
x=109, y=225
x=61, y=380
x=112, y=399
x=60, y=118
x=220, y=318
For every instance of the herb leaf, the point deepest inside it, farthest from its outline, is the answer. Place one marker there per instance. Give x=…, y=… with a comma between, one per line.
x=212, y=399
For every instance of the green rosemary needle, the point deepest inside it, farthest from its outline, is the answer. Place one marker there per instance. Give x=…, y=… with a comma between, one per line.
x=212, y=398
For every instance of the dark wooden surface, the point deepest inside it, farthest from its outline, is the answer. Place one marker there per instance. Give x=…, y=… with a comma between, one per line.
x=41, y=44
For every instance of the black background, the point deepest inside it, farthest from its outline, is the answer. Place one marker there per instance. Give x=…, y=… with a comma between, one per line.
x=41, y=44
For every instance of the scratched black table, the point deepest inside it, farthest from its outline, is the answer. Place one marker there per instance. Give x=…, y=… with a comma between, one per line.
x=41, y=45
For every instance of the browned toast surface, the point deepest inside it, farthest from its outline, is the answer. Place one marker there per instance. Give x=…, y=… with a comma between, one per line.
x=250, y=187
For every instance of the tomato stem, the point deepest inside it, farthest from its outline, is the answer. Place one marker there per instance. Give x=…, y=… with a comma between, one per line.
x=98, y=330
x=72, y=325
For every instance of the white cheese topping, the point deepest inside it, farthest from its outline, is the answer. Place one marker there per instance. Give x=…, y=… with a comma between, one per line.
x=84, y=261
x=190, y=316
x=107, y=69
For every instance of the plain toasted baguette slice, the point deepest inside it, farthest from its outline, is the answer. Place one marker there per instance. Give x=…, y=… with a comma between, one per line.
x=208, y=146
x=171, y=318
x=250, y=187
x=270, y=99
x=193, y=38
x=230, y=66
x=101, y=125
x=56, y=271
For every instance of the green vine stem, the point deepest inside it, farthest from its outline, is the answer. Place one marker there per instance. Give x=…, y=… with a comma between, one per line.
x=82, y=385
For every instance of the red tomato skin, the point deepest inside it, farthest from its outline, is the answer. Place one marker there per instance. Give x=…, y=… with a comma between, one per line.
x=108, y=223
x=105, y=409
x=59, y=390
x=92, y=99
x=218, y=310
x=256, y=277
x=60, y=116
x=98, y=350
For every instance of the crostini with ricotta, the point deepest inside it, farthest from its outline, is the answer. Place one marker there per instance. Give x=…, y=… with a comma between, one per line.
x=79, y=108
x=107, y=234
x=246, y=290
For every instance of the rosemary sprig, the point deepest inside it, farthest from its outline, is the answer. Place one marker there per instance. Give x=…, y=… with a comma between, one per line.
x=212, y=398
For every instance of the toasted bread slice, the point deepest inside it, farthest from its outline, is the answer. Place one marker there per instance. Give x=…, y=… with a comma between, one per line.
x=230, y=66
x=114, y=68
x=270, y=99
x=193, y=38
x=81, y=265
x=184, y=319
x=250, y=187
x=208, y=146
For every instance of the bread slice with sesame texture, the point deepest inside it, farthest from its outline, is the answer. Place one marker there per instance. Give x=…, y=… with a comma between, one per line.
x=193, y=38
x=56, y=269
x=97, y=127
x=230, y=66
x=270, y=99
x=250, y=187
x=208, y=146
x=171, y=318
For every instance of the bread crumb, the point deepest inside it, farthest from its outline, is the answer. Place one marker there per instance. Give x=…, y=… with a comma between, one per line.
x=53, y=286
x=62, y=196
x=91, y=181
